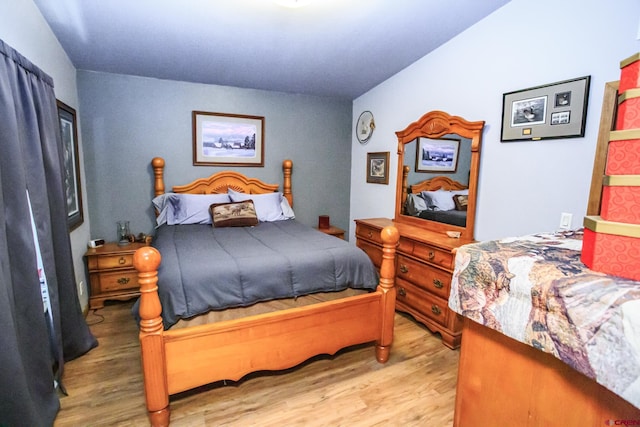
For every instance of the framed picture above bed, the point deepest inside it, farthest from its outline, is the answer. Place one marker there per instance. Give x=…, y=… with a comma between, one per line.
x=557, y=110
x=437, y=155
x=69, y=133
x=221, y=139
x=378, y=168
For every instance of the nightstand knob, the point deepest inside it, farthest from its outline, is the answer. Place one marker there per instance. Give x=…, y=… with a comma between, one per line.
x=432, y=255
x=123, y=280
x=402, y=292
x=437, y=283
x=370, y=234
x=122, y=260
x=404, y=268
x=435, y=309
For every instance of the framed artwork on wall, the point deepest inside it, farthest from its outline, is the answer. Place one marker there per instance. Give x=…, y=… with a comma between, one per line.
x=69, y=134
x=557, y=110
x=437, y=155
x=221, y=139
x=378, y=168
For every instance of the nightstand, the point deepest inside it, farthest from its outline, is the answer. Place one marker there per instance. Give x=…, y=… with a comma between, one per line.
x=333, y=231
x=111, y=273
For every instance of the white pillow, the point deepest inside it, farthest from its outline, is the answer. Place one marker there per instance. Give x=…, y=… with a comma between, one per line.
x=415, y=204
x=441, y=200
x=176, y=208
x=269, y=206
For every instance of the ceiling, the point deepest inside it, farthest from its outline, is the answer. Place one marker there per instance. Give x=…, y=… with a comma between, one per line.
x=337, y=48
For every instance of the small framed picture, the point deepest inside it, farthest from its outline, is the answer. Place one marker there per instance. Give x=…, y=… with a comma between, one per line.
x=557, y=110
x=378, y=168
x=69, y=133
x=437, y=155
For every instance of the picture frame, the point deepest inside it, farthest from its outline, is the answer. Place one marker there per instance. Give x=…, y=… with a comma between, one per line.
x=72, y=186
x=437, y=155
x=221, y=139
x=378, y=168
x=552, y=111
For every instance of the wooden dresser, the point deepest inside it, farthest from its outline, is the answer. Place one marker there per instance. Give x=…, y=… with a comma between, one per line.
x=111, y=273
x=424, y=266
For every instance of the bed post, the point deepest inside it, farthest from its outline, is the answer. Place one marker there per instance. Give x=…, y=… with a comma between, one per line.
x=405, y=186
x=157, y=163
x=287, y=165
x=390, y=237
x=147, y=260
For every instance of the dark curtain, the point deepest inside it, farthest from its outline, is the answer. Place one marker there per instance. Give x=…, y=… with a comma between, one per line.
x=32, y=347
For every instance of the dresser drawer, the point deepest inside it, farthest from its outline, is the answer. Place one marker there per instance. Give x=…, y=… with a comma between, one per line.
x=433, y=255
x=119, y=281
x=115, y=261
x=374, y=252
x=369, y=233
x=429, y=278
x=424, y=303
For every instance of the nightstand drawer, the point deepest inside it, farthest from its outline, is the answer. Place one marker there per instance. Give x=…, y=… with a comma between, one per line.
x=119, y=281
x=422, y=302
x=428, y=278
x=115, y=261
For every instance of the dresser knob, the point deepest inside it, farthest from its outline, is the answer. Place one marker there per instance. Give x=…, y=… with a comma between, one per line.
x=123, y=280
x=432, y=255
x=435, y=309
x=404, y=268
x=402, y=292
x=122, y=260
x=437, y=283
x=370, y=234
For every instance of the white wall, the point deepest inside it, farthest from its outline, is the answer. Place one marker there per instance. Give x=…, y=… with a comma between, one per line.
x=523, y=186
x=23, y=28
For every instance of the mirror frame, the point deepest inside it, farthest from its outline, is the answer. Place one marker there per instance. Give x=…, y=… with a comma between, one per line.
x=433, y=125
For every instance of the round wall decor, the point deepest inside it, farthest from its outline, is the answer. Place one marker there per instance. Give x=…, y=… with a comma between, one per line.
x=365, y=127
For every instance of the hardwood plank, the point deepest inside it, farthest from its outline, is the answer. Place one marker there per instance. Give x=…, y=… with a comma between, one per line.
x=416, y=387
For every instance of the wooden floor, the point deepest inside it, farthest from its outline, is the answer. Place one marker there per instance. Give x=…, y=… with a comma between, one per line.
x=415, y=388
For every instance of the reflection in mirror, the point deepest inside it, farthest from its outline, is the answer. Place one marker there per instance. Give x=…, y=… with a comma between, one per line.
x=446, y=157
x=438, y=172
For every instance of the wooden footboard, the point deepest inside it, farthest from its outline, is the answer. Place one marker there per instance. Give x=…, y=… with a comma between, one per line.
x=175, y=361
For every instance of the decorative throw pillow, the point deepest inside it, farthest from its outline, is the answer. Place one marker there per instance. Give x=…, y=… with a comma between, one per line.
x=461, y=201
x=234, y=214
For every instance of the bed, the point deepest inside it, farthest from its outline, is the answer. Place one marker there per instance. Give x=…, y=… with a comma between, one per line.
x=249, y=337
x=546, y=341
x=440, y=199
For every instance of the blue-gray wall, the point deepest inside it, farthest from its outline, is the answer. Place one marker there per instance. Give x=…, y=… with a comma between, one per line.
x=128, y=120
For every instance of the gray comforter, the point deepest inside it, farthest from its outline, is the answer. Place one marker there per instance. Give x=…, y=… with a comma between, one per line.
x=205, y=268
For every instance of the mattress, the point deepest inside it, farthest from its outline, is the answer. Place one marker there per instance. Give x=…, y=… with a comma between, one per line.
x=205, y=268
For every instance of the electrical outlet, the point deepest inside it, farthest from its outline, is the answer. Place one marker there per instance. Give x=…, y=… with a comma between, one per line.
x=81, y=287
x=565, y=221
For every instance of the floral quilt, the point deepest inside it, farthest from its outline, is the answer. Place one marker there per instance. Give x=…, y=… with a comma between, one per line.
x=536, y=290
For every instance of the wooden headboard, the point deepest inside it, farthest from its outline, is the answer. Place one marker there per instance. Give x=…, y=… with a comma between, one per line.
x=220, y=182
x=432, y=184
x=436, y=183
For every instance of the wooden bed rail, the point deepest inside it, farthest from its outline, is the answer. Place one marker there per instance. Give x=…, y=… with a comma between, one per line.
x=338, y=324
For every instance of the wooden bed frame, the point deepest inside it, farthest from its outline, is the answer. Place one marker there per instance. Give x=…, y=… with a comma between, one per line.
x=432, y=184
x=177, y=360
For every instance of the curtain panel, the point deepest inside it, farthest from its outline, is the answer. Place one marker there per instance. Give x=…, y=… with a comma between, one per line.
x=31, y=180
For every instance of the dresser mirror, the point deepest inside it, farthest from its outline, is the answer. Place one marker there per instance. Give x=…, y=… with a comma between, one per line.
x=438, y=162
